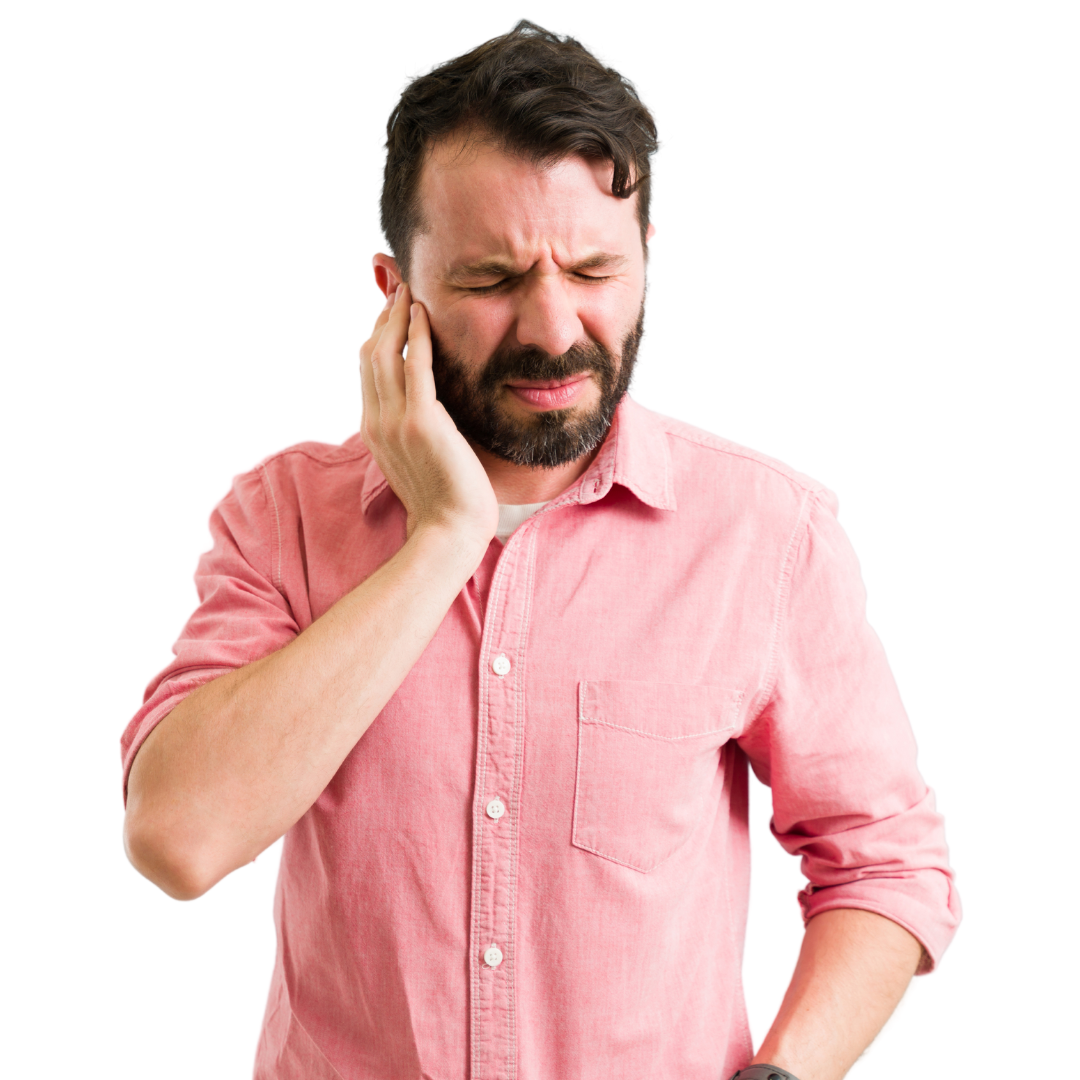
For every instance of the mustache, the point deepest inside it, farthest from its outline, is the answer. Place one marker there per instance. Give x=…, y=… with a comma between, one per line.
x=533, y=363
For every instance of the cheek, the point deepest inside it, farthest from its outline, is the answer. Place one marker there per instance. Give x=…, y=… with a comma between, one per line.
x=473, y=329
x=444, y=331
x=608, y=319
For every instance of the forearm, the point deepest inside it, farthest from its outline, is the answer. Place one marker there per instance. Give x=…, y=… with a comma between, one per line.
x=852, y=972
x=240, y=760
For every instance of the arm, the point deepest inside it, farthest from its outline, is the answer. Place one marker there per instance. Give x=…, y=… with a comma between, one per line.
x=852, y=972
x=241, y=759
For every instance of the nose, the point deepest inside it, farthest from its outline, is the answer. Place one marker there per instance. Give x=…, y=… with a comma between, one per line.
x=547, y=316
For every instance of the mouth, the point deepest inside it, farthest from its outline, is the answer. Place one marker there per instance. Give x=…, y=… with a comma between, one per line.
x=549, y=393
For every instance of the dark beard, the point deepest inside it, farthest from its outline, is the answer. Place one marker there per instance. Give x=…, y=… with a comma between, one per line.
x=547, y=439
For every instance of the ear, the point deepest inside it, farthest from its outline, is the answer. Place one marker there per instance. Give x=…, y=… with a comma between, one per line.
x=650, y=232
x=387, y=275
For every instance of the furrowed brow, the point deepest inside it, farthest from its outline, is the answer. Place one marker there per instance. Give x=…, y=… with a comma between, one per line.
x=498, y=268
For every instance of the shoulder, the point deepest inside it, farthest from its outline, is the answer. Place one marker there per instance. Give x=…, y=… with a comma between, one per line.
x=306, y=461
x=306, y=475
x=318, y=456
x=707, y=466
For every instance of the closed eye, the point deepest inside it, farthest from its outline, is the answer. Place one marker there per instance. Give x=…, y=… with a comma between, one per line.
x=481, y=290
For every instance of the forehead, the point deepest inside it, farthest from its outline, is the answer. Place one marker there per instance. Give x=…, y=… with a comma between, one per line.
x=479, y=201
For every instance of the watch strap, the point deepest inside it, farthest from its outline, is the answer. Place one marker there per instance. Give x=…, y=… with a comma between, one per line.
x=764, y=1072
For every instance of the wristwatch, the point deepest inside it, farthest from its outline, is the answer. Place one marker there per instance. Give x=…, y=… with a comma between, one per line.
x=763, y=1072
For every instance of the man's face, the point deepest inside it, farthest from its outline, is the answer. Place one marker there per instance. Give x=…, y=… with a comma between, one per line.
x=534, y=282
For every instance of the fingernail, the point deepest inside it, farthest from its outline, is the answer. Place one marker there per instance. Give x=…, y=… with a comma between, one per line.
x=397, y=292
x=414, y=310
x=389, y=300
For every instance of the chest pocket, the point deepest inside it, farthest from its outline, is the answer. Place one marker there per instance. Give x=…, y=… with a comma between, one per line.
x=648, y=755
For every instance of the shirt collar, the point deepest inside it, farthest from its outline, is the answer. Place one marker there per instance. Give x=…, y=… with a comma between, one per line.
x=635, y=454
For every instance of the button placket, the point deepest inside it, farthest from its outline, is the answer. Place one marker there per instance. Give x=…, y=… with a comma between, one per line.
x=500, y=746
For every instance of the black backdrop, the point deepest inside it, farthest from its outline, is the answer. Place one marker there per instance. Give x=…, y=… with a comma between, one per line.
x=811, y=225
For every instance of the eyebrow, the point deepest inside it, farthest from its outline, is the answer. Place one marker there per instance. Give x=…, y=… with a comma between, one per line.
x=498, y=268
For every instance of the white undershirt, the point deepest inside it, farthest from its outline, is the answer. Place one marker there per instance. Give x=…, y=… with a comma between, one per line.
x=510, y=517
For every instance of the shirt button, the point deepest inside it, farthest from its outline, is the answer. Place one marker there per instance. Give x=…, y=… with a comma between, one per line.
x=501, y=665
x=493, y=956
x=495, y=809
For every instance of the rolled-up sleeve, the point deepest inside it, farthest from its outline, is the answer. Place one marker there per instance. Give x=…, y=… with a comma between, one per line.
x=834, y=743
x=242, y=614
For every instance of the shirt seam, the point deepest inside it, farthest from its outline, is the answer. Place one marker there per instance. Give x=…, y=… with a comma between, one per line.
x=798, y=537
x=652, y=734
x=275, y=547
x=348, y=457
x=806, y=482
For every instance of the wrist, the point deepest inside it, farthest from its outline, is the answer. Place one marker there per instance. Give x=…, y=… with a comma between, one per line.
x=764, y=1072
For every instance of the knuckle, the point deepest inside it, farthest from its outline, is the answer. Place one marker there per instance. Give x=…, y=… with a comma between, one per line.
x=411, y=428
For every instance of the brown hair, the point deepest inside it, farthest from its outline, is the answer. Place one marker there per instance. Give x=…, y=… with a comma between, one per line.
x=535, y=94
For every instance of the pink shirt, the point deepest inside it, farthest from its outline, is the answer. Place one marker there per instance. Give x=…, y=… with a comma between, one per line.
x=534, y=865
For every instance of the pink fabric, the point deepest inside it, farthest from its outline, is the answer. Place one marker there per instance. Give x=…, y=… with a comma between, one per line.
x=686, y=606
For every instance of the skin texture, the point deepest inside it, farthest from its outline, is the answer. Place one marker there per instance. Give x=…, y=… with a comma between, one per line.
x=853, y=969
x=547, y=323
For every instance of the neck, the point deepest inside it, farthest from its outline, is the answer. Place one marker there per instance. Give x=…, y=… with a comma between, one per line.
x=518, y=484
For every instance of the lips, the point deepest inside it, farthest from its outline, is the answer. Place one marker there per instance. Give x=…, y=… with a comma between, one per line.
x=547, y=395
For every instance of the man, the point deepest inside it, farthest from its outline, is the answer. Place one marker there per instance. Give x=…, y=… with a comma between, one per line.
x=495, y=666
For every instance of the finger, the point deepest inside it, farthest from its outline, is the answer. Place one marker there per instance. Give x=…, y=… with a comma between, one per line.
x=368, y=399
x=388, y=306
x=419, y=381
x=386, y=358
x=380, y=322
x=364, y=353
x=380, y=319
